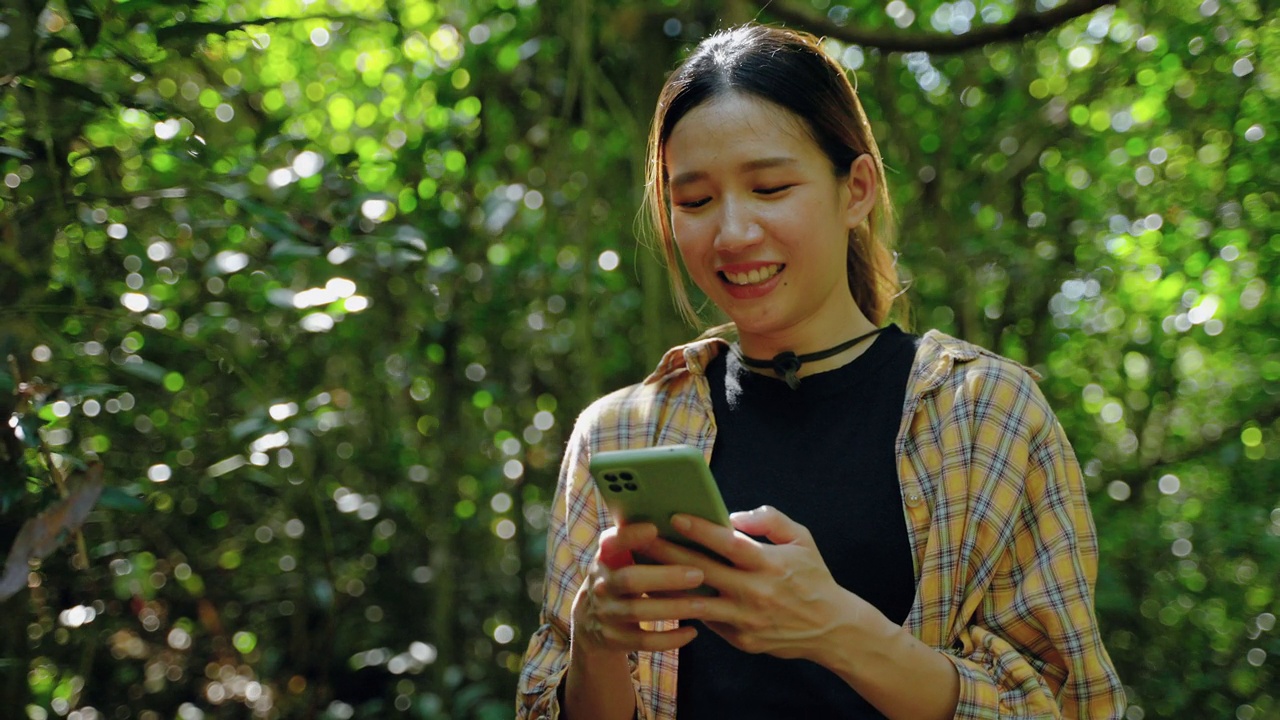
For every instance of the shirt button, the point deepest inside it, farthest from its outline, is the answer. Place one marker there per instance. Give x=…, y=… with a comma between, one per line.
x=914, y=499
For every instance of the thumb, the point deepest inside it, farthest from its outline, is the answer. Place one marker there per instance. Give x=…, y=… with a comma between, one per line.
x=769, y=522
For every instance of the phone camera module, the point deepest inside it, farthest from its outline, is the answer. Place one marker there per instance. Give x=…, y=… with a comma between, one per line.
x=626, y=476
x=618, y=488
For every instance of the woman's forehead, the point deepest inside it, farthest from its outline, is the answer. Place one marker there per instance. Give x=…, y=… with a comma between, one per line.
x=741, y=112
x=737, y=125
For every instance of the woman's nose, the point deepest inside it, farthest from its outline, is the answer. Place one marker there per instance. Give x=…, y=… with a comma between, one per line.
x=738, y=227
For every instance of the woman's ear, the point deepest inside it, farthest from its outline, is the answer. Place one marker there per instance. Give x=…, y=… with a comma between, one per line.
x=862, y=188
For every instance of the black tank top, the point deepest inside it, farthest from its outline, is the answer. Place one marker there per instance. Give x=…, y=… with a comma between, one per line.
x=824, y=455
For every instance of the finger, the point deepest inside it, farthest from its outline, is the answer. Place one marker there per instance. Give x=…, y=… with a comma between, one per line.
x=596, y=624
x=670, y=553
x=769, y=522
x=647, y=579
x=632, y=610
x=635, y=639
x=721, y=575
x=738, y=549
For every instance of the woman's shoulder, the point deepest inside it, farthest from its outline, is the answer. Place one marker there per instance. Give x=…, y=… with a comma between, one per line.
x=987, y=379
x=671, y=383
x=940, y=357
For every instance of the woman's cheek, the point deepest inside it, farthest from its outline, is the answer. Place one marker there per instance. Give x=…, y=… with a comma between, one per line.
x=689, y=235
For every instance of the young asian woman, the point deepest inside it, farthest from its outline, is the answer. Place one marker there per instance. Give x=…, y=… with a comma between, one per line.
x=921, y=544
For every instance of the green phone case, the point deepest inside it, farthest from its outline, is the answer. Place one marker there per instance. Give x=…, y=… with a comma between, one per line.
x=652, y=484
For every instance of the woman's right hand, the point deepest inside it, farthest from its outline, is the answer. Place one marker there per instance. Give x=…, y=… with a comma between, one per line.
x=618, y=594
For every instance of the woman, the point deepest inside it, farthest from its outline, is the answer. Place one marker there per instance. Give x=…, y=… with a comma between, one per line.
x=923, y=547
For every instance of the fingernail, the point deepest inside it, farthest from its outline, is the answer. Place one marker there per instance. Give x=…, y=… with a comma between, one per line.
x=680, y=522
x=693, y=576
x=697, y=605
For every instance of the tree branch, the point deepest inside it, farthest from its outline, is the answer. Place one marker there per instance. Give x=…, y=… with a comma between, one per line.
x=1231, y=433
x=1019, y=27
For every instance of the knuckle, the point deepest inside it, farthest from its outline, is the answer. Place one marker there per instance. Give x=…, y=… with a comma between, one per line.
x=626, y=611
x=620, y=583
x=599, y=583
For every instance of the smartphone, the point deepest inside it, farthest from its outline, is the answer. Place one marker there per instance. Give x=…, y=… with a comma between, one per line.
x=652, y=484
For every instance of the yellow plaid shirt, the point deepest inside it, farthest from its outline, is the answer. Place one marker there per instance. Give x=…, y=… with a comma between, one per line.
x=1005, y=550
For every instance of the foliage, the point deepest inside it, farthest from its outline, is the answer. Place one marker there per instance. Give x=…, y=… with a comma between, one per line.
x=321, y=286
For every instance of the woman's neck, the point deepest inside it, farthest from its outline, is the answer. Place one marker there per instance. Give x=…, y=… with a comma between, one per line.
x=815, y=338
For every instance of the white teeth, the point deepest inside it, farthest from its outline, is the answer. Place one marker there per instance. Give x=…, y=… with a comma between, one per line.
x=755, y=276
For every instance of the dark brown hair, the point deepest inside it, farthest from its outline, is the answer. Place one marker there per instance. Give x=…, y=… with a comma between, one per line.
x=789, y=69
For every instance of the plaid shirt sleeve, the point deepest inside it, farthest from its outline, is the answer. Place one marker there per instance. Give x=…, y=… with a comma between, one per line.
x=577, y=518
x=665, y=409
x=1018, y=553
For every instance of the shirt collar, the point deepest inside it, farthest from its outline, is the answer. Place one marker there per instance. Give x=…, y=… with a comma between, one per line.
x=939, y=353
x=692, y=356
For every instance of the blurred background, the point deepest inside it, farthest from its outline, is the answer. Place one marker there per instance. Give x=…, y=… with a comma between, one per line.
x=300, y=298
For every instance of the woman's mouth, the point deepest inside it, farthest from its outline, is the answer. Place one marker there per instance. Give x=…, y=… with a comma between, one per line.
x=753, y=276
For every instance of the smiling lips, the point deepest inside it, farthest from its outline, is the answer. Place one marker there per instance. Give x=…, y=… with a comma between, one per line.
x=747, y=284
x=753, y=276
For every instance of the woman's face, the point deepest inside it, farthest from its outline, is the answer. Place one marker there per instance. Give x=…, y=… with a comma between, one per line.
x=762, y=222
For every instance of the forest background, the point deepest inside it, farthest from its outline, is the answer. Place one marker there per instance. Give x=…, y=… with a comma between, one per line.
x=299, y=299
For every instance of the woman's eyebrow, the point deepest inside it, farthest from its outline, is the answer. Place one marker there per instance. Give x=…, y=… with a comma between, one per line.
x=688, y=178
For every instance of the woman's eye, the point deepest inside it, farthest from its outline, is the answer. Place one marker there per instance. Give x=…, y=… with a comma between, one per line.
x=694, y=203
x=772, y=190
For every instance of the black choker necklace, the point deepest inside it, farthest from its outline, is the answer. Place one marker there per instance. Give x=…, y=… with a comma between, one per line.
x=787, y=363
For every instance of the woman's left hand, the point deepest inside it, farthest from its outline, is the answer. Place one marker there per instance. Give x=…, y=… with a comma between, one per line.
x=778, y=599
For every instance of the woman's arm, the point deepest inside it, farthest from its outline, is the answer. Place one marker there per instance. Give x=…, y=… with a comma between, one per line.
x=571, y=544
x=1029, y=643
x=606, y=615
x=579, y=662
x=1008, y=594
x=890, y=667
x=780, y=599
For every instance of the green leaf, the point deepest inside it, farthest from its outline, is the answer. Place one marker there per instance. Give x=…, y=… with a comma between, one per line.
x=30, y=431
x=290, y=248
x=14, y=152
x=247, y=427
x=114, y=498
x=201, y=30
x=135, y=7
x=90, y=389
x=234, y=191
x=146, y=370
x=275, y=217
